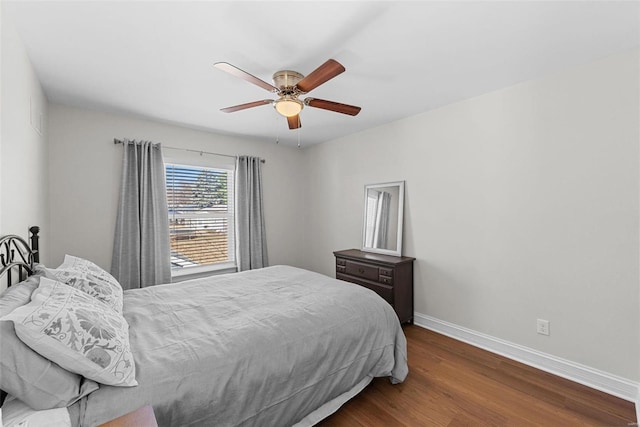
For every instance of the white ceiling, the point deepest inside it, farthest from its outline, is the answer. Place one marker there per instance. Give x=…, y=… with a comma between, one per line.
x=155, y=58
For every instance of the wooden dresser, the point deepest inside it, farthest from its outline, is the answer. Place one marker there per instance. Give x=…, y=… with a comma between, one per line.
x=389, y=276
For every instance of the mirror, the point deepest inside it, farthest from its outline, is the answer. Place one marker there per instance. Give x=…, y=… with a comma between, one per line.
x=383, y=210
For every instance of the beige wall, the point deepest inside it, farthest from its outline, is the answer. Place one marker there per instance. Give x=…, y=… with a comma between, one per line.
x=23, y=149
x=520, y=204
x=84, y=180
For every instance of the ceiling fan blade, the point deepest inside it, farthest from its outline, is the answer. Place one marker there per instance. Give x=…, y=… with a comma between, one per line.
x=294, y=122
x=351, y=110
x=325, y=72
x=235, y=71
x=247, y=105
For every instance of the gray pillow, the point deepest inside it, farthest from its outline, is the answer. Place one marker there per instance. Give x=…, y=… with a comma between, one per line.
x=25, y=374
x=78, y=332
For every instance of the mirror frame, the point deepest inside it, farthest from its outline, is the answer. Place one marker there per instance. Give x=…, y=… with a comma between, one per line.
x=398, y=250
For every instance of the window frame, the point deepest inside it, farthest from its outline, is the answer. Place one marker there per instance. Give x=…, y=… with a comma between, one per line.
x=216, y=163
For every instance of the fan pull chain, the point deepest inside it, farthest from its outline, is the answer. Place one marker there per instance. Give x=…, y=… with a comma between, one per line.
x=299, y=130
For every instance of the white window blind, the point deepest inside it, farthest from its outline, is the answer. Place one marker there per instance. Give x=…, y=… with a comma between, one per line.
x=201, y=216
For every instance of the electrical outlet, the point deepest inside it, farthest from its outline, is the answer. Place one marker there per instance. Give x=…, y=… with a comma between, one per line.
x=543, y=327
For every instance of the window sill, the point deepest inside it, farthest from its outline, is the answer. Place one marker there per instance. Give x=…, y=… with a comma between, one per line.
x=179, y=275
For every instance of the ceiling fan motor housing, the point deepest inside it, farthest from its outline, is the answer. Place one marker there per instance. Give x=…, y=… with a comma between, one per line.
x=286, y=80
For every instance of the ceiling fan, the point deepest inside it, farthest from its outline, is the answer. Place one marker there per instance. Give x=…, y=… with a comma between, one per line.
x=289, y=85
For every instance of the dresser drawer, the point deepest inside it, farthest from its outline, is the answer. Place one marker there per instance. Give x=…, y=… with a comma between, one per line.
x=362, y=270
x=385, y=280
x=384, y=271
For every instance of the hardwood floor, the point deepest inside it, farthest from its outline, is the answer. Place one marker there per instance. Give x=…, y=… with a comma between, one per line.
x=454, y=384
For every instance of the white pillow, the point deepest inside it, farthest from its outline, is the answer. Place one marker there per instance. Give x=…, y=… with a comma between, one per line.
x=88, y=277
x=76, y=331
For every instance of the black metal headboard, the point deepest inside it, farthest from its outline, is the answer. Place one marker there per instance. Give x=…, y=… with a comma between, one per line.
x=16, y=255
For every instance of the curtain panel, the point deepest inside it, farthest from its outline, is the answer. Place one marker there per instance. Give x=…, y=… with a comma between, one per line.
x=251, y=243
x=141, y=250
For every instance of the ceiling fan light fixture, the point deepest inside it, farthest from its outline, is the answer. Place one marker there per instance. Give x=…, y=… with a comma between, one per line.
x=288, y=106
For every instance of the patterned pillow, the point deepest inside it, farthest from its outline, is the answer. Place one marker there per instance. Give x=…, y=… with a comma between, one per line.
x=88, y=277
x=25, y=374
x=76, y=331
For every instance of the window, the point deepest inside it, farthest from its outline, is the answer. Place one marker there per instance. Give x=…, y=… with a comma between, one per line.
x=201, y=218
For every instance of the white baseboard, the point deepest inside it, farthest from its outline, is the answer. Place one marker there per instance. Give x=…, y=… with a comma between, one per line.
x=599, y=380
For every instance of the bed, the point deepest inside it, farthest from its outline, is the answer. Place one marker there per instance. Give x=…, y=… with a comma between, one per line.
x=278, y=346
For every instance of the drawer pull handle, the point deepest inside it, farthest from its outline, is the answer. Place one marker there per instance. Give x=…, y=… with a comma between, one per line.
x=361, y=270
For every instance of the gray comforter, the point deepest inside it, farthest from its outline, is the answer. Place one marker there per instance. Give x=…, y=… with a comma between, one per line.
x=259, y=348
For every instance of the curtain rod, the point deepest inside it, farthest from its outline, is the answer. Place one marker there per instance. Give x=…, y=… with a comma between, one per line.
x=119, y=141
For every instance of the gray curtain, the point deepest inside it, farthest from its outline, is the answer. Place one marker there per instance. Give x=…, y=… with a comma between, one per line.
x=251, y=243
x=141, y=253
